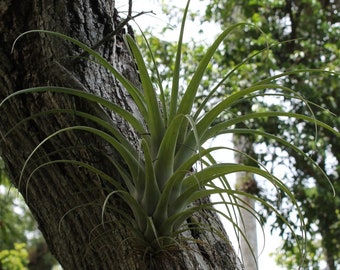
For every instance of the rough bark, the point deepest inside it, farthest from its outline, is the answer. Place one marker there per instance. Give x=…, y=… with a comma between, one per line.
x=66, y=200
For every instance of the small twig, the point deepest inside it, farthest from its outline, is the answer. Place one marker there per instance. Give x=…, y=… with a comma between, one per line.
x=128, y=18
x=119, y=28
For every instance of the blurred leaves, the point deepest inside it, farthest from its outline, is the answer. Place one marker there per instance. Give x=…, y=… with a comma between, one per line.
x=15, y=219
x=312, y=29
x=20, y=238
x=14, y=259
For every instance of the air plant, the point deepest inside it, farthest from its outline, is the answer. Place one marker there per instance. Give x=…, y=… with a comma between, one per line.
x=159, y=183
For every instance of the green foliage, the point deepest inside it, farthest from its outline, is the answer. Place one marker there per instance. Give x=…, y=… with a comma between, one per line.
x=14, y=216
x=14, y=259
x=312, y=29
x=289, y=257
x=307, y=36
x=18, y=226
x=159, y=183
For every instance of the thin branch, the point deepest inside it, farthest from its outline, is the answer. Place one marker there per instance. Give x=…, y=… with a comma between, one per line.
x=119, y=28
x=125, y=22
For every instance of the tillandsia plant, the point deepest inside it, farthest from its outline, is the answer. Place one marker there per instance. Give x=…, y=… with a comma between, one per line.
x=170, y=169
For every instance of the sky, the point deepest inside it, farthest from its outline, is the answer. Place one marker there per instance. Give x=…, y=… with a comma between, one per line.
x=159, y=20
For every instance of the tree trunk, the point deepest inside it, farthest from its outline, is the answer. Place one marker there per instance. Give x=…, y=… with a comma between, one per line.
x=67, y=200
x=245, y=182
x=248, y=245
